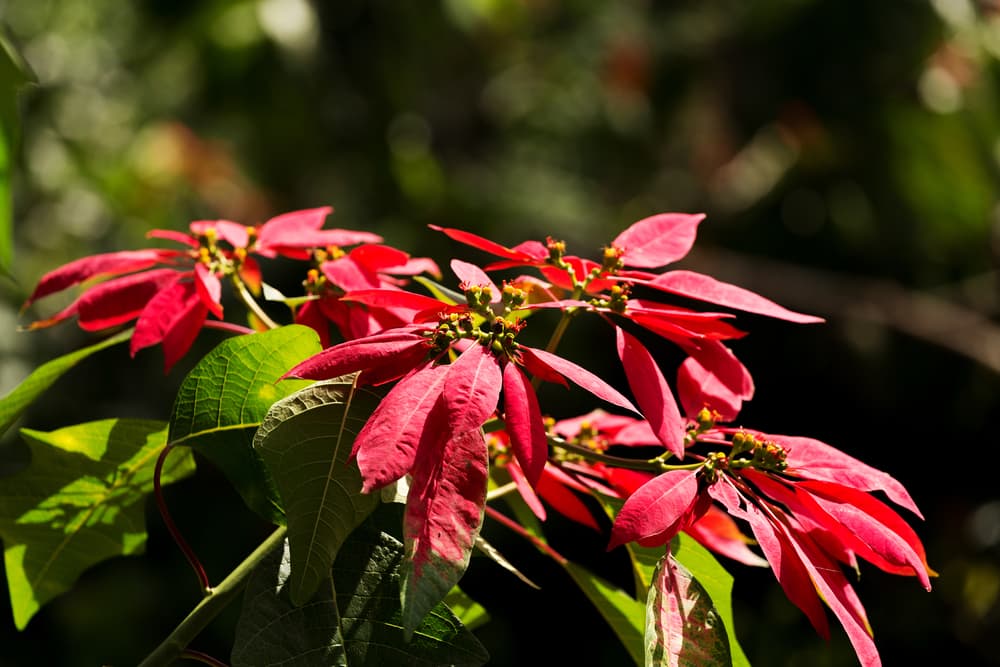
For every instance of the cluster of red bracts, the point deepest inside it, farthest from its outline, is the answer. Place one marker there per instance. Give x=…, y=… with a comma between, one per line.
x=171, y=293
x=456, y=366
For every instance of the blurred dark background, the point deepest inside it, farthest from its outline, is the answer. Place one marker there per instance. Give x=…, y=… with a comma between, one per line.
x=847, y=154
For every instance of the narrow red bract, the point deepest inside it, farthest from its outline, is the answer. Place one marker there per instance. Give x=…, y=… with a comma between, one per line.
x=523, y=420
x=652, y=393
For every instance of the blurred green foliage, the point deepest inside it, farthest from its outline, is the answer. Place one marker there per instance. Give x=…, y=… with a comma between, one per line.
x=857, y=137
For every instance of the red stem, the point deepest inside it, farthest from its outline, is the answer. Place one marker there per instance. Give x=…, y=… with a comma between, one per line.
x=228, y=326
x=201, y=657
x=534, y=539
x=203, y=582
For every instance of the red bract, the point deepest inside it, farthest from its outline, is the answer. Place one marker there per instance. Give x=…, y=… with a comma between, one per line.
x=170, y=293
x=169, y=304
x=712, y=377
x=489, y=362
x=805, y=520
x=367, y=267
x=296, y=234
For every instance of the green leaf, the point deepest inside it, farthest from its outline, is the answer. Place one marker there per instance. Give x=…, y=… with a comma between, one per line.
x=225, y=398
x=13, y=75
x=359, y=625
x=13, y=405
x=682, y=625
x=439, y=291
x=470, y=613
x=305, y=443
x=367, y=579
x=273, y=631
x=625, y=614
x=78, y=504
x=644, y=559
x=717, y=583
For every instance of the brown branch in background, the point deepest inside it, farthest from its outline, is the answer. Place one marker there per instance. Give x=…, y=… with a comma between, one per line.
x=929, y=318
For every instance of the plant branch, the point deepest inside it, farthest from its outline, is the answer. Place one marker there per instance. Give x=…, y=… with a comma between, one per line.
x=653, y=465
x=175, y=533
x=198, y=656
x=210, y=606
x=228, y=326
x=252, y=305
x=541, y=544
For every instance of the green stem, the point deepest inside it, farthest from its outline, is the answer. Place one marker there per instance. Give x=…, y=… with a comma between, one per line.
x=198, y=656
x=501, y=491
x=652, y=465
x=252, y=305
x=214, y=602
x=557, y=333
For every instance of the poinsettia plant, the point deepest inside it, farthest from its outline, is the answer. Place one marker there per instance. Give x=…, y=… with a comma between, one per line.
x=387, y=386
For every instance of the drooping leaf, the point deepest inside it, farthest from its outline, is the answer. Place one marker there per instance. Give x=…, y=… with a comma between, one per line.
x=494, y=555
x=623, y=613
x=274, y=631
x=682, y=625
x=444, y=513
x=305, y=443
x=353, y=619
x=78, y=503
x=13, y=405
x=225, y=398
x=367, y=577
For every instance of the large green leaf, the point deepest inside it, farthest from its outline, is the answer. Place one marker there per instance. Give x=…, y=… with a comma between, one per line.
x=13, y=75
x=78, y=504
x=625, y=614
x=13, y=405
x=358, y=626
x=305, y=443
x=225, y=398
x=273, y=631
x=682, y=625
